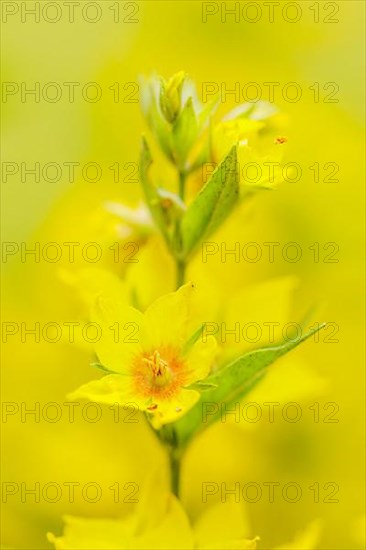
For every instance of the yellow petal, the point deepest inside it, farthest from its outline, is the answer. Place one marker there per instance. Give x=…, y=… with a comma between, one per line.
x=221, y=522
x=121, y=332
x=153, y=500
x=147, y=289
x=111, y=389
x=158, y=521
x=166, y=318
x=94, y=534
x=174, y=532
x=238, y=544
x=90, y=282
x=200, y=359
x=306, y=540
x=233, y=131
x=170, y=410
x=359, y=530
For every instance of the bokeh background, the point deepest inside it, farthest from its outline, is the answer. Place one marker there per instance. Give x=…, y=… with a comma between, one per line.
x=169, y=36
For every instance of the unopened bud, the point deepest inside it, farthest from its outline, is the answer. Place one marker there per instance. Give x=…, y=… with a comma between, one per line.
x=170, y=96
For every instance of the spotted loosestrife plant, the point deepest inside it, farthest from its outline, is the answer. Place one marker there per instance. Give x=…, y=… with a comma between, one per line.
x=169, y=370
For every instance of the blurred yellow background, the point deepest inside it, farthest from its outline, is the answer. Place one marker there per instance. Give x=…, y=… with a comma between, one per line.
x=166, y=37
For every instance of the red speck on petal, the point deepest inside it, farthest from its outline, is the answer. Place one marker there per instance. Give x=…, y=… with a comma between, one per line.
x=280, y=140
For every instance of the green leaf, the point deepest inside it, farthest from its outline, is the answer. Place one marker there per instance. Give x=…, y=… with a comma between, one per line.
x=202, y=386
x=232, y=382
x=185, y=132
x=212, y=205
x=151, y=194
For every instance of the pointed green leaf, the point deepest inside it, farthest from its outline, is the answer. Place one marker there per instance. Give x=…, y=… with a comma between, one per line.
x=213, y=203
x=232, y=383
x=185, y=131
x=202, y=386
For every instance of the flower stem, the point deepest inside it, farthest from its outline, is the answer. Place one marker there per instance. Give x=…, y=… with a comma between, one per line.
x=174, y=452
x=181, y=270
x=181, y=265
x=168, y=437
x=174, y=471
x=182, y=184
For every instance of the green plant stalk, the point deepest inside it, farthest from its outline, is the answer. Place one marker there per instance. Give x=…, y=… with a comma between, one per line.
x=174, y=452
x=168, y=438
x=181, y=264
x=175, y=464
x=182, y=184
x=181, y=270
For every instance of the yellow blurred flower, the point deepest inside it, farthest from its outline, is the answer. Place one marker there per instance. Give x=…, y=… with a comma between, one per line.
x=259, y=312
x=305, y=540
x=256, y=128
x=359, y=530
x=88, y=283
x=159, y=522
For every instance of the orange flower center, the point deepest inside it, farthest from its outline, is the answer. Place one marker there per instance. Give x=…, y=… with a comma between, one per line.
x=157, y=369
x=159, y=373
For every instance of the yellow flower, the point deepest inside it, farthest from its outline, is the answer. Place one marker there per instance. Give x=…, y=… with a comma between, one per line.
x=150, y=357
x=158, y=522
x=228, y=132
x=257, y=130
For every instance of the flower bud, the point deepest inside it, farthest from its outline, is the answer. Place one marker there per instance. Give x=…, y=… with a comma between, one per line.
x=170, y=96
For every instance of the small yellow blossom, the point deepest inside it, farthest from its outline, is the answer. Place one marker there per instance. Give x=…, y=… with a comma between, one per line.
x=255, y=129
x=150, y=363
